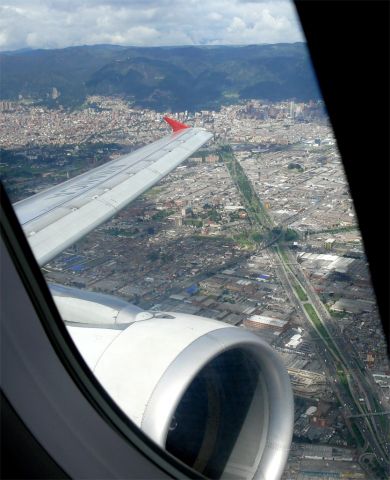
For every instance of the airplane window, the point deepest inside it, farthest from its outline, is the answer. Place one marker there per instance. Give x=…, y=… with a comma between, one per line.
x=190, y=213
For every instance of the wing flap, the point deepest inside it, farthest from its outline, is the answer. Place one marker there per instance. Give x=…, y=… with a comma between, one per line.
x=58, y=217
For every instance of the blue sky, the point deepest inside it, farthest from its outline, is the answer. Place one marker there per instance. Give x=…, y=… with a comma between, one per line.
x=62, y=23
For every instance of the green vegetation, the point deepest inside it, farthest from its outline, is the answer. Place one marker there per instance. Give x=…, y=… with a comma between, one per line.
x=300, y=292
x=256, y=237
x=342, y=377
x=234, y=216
x=377, y=469
x=283, y=253
x=248, y=239
x=214, y=215
x=341, y=369
x=244, y=240
x=253, y=205
x=358, y=435
x=341, y=372
x=167, y=78
x=154, y=256
x=295, y=166
x=23, y=168
x=195, y=222
x=313, y=315
x=307, y=306
x=383, y=419
x=337, y=314
x=319, y=326
x=161, y=214
x=348, y=228
x=290, y=235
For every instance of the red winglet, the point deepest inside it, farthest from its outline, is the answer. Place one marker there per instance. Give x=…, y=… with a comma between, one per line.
x=176, y=126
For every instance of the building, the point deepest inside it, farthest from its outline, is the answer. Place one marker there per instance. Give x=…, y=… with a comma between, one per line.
x=264, y=322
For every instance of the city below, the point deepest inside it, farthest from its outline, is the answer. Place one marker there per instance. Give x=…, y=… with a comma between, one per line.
x=257, y=229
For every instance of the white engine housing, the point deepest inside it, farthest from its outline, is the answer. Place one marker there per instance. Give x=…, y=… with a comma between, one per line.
x=215, y=396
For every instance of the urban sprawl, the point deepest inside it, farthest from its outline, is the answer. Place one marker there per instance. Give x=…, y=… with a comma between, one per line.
x=257, y=229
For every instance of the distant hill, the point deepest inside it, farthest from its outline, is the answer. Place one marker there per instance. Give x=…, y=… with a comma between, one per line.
x=163, y=78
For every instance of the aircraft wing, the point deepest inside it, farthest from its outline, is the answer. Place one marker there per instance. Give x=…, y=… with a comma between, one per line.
x=56, y=218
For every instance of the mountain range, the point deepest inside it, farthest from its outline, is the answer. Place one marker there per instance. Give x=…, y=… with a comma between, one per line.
x=164, y=78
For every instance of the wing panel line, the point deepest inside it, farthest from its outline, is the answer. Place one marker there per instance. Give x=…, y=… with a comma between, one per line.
x=19, y=205
x=51, y=232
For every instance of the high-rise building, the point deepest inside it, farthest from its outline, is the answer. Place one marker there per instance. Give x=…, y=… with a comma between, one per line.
x=292, y=109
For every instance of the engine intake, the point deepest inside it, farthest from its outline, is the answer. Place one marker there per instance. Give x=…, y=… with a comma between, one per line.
x=224, y=409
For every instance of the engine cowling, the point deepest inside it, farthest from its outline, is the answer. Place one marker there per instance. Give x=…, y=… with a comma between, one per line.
x=215, y=396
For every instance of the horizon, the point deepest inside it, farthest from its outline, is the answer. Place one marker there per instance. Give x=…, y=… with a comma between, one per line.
x=237, y=45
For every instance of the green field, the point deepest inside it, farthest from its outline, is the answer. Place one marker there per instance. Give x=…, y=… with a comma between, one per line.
x=283, y=253
x=319, y=327
x=300, y=292
x=253, y=204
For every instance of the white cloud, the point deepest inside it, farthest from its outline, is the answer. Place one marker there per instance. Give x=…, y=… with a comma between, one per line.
x=3, y=39
x=215, y=16
x=61, y=23
x=237, y=25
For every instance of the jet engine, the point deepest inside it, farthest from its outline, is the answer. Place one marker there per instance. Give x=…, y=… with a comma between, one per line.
x=215, y=396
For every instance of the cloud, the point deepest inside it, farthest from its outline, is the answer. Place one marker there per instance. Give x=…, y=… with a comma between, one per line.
x=61, y=23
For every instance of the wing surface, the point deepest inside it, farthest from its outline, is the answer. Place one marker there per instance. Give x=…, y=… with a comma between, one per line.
x=56, y=218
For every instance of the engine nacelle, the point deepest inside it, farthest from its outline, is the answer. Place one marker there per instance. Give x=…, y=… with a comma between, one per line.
x=215, y=396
